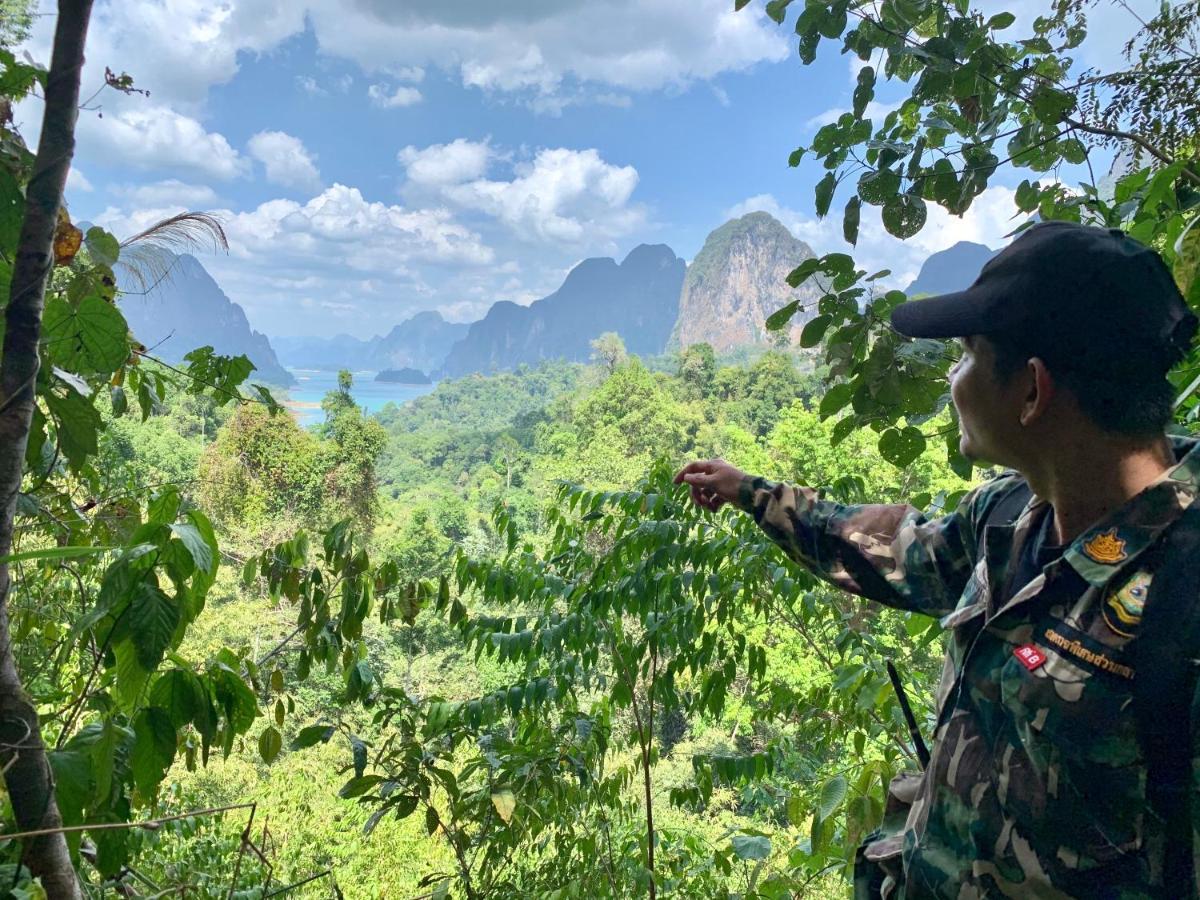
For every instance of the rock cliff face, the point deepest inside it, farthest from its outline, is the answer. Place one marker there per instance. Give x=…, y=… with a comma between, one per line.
x=638, y=299
x=187, y=309
x=737, y=280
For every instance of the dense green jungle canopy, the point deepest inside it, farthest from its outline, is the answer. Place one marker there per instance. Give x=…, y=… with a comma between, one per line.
x=479, y=645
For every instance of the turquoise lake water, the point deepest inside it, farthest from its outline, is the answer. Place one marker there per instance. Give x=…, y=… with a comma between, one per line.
x=313, y=385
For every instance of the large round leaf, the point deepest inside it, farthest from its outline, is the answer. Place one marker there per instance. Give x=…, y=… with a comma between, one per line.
x=904, y=215
x=900, y=447
x=92, y=337
x=879, y=186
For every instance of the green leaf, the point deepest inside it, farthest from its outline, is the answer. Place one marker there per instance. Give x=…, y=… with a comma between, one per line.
x=740, y=4
x=103, y=247
x=809, y=42
x=77, y=424
x=901, y=447
x=777, y=10
x=782, y=316
x=795, y=157
x=795, y=810
x=250, y=571
x=153, y=617
x=120, y=403
x=904, y=215
x=814, y=331
x=235, y=698
x=197, y=546
x=824, y=193
x=270, y=742
x=358, y=750
x=850, y=220
x=1073, y=151
x=877, y=187
x=832, y=795
x=56, y=553
x=164, y=507
x=359, y=785
x=506, y=803
x=312, y=735
x=431, y=820
x=804, y=271
x=153, y=748
x=835, y=399
x=959, y=464
x=178, y=692
x=92, y=337
x=1050, y=104
x=864, y=91
x=74, y=785
x=1000, y=21
x=12, y=213
x=1027, y=196
x=751, y=847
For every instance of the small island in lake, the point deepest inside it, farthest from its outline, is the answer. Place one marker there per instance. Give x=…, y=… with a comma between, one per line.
x=403, y=376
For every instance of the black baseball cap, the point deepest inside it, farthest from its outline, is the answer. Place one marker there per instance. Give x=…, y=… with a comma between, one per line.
x=1089, y=299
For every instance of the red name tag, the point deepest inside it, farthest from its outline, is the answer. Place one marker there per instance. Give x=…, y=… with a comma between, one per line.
x=1030, y=656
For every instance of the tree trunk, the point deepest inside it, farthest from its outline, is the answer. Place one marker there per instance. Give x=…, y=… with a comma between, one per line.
x=27, y=773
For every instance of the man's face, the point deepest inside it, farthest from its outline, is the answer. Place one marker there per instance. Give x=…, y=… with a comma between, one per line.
x=988, y=408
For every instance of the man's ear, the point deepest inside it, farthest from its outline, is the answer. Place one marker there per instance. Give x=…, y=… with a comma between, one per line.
x=1040, y=391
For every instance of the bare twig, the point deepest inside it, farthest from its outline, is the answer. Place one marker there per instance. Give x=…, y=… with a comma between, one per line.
x=116, y=826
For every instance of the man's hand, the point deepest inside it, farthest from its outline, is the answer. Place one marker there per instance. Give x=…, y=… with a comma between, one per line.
x=714, y=482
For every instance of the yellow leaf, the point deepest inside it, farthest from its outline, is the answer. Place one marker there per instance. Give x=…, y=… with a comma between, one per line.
x=505, y=803
x=67, y=239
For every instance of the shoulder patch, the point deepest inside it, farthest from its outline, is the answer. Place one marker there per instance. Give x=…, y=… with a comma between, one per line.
x=1123, y=607
x=1106, y=548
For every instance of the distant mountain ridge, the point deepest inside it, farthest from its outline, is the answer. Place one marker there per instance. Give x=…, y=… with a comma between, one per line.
x=950, y=270
x=652, y=299
x=420, y=342
x=737, y=280
x=187, y=309
x=638, y=299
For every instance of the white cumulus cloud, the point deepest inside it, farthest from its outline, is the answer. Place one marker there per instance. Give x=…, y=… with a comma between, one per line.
x=393, y=98
x=77, y=181
x=340, y=225
x=446, y=164
x=171, y=193
x=286, y=159
x=155, y=137
x=562, y=195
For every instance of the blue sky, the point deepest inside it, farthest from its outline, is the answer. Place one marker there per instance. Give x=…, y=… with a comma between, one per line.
x=374, y=158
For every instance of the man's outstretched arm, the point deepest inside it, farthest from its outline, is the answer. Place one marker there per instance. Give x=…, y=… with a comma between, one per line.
x=888, y=553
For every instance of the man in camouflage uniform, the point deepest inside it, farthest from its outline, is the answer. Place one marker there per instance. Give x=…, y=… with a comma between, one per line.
x=1037, y=782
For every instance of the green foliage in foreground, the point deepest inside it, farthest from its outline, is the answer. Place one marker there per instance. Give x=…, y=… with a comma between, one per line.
x=766, y=726
x=978, y=93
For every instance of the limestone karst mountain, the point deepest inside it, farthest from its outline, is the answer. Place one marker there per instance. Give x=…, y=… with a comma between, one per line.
x=638, y=299
x=737, y=280
x=187, y=309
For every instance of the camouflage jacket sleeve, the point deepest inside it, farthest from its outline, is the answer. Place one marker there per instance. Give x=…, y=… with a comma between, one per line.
x=892, y=554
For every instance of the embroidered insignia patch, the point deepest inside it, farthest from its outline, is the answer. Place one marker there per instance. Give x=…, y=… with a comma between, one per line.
x=1123, y=608
x=1030, y=656
x=1106, y=548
